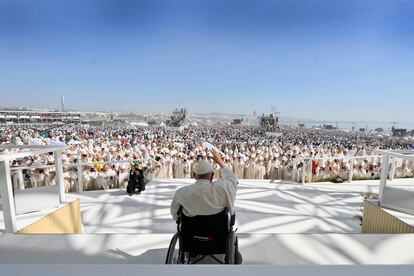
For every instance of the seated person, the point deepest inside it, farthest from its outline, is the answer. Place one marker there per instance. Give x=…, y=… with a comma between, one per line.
x=205, y=197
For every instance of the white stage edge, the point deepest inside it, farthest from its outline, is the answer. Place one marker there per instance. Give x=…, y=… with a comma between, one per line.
x=263, y=249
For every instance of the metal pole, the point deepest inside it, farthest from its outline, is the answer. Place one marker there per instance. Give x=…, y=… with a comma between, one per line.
x=304, y=171
x=351, y=170
x=392, y=171
x=80, y=176
x=117, y=174
x=7, y=200
x=59, y=175
x=21, y=179
x=295, y=170
x=311, y=167
x=384, y=176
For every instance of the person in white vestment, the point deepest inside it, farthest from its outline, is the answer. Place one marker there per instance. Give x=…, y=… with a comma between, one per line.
x=250, y=167
x=207, y=197
x=238, y=167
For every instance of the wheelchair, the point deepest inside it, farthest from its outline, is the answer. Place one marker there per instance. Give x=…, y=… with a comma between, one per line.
x=201, y=236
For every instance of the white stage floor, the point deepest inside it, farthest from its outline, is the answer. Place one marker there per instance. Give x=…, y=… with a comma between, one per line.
x=278, y=223
x=261, y=207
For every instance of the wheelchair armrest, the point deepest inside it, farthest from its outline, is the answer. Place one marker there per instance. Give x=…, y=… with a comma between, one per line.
x=179, y=214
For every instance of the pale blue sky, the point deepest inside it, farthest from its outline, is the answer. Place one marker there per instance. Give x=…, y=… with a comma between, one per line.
x=333, y=60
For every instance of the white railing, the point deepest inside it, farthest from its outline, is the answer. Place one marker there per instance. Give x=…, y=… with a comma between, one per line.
x=307, y=164
x=394, y=197
x=79, y=168
x=6, y=189
x=298, y=174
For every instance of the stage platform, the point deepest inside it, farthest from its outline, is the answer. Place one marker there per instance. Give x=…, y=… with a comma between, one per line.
x=261, y=206
x=278, y=223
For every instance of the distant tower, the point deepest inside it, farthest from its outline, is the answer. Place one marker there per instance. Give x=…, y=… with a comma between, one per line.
x=63, y=103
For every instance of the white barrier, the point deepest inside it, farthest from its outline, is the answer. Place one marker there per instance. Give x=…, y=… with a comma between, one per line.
x=6, y=189
x=307, y=163
x=391, y=197
x=79, y=166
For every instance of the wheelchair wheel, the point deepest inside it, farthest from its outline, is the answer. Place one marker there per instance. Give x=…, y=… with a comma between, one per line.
x=231, y=251
x=174, y=255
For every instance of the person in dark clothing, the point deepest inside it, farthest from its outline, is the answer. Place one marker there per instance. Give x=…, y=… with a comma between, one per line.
x=136, y=180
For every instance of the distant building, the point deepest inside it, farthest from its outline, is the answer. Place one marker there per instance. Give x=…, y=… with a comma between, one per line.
x=153, y=122
x=269, y=123
x=17, y=117
x=237, y=122
x=177, y=118
x=399, y=132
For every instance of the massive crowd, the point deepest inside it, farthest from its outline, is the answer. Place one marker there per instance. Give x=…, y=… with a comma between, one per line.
x=170, y=153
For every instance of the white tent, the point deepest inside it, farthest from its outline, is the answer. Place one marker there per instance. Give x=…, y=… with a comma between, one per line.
x=56, y=143
x=141, y=124
x=74, y=142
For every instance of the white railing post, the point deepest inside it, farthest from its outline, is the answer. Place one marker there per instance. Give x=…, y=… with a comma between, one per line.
x=304, y=171
x=311, y=167
x=295, y=171
x=20, y=179
x=7, y=200
x=80, y=176
x=351, y=170
x=59, y=175
x=384, y=176
x=392, y=171
x=117, y=177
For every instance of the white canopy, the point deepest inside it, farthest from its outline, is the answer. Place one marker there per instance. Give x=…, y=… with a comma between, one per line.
x=74, y=142
x=141, y=124
x=56, y=143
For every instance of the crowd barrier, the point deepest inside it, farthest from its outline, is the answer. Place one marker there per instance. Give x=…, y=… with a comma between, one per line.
x=78, y=177
x=302, y=167
x=302, y=171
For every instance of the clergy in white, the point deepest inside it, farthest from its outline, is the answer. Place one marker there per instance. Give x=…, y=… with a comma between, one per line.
x=206, y=197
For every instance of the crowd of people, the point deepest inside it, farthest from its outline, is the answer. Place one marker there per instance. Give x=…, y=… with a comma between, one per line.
x=106, y=154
